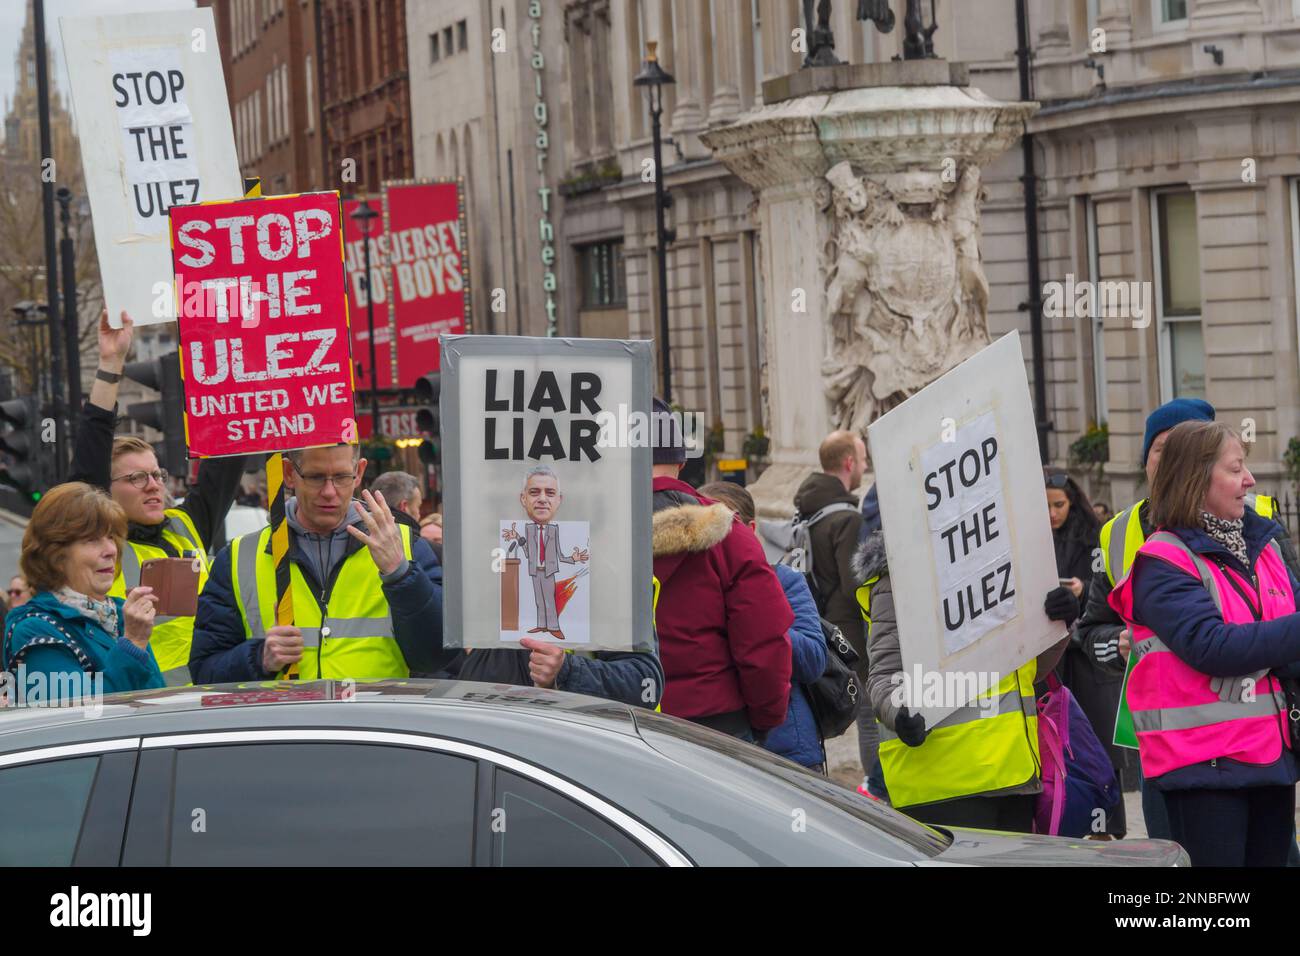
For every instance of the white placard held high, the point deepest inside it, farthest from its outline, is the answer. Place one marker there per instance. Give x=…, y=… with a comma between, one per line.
x=966, y=529
x=154, y=125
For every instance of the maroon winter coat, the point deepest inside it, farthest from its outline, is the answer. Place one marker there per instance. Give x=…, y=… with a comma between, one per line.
x=722, y=615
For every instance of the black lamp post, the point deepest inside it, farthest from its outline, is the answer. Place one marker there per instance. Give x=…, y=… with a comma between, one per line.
x=364, y=215
x=71, y=332
x=653, y=77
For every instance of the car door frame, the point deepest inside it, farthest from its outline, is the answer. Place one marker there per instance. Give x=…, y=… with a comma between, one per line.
x=108, y=802
x=156, y=747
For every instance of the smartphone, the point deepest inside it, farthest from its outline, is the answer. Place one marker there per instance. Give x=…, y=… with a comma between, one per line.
x=176, y=583
x=1064, y=582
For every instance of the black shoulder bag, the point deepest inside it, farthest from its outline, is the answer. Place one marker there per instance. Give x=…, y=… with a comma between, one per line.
x=837, y=694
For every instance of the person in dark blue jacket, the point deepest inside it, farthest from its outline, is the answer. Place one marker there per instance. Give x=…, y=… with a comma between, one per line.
x=71, y=640
x=796, y=738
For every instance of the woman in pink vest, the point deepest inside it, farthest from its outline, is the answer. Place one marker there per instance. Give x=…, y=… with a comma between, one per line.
x=1213, y=613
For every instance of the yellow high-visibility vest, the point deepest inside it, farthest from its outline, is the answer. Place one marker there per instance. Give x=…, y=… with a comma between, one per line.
x=172, y=636
x=966, y=753
x=352, y=638
x=1122, y=536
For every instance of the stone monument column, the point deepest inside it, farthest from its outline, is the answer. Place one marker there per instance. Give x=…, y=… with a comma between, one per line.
x=868, y=185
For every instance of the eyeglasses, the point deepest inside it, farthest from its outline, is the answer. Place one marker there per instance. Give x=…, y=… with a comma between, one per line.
x=140, y=479
x=317, y=482
x=16, y=592
x=1057, y=481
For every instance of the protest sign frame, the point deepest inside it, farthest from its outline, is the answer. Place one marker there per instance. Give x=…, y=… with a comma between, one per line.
x=135, y=265
x=462, y=224
x=988, y=393
x=624, y=612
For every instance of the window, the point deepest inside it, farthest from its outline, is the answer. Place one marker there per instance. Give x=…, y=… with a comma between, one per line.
x=310, y=804
x=433, y=48
x=462, y=35
x=1170, y=11
x=446, y=41
x=1098, y=323
x=543, y=828
x=1178, y=295
x=603, y=275
x=308, y=80
x=44, y=805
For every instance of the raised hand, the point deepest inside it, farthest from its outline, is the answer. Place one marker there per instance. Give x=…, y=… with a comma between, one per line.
x=384, y=539
x=114, y=344
x=138, y=613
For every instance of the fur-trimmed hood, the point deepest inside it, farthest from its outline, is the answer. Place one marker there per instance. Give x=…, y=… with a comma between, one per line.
x=690, y=528
x=870, y=560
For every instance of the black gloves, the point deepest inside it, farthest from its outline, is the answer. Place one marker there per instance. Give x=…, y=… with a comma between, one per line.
x=910, y=727
x=1061, y=605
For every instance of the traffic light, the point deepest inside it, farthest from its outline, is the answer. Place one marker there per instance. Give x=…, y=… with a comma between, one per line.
x=21, y=440
x=428, y=394
x=167, y=412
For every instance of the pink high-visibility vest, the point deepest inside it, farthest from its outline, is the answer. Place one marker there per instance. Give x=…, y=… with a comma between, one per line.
x=1182, y=716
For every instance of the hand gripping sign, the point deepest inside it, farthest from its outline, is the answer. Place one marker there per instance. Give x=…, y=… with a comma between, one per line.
x=265, y=349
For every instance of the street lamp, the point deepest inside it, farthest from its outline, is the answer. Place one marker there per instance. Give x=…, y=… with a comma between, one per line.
x=653, y=77
x=364, y=215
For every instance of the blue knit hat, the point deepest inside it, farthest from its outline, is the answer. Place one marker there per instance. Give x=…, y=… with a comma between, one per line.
x=1174, y=413
x=669, y=443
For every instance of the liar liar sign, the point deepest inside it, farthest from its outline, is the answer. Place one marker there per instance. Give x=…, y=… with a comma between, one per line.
x=265, y=349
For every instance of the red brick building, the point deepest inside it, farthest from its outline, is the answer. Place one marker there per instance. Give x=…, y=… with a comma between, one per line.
x=273, y=76
x=365, y=100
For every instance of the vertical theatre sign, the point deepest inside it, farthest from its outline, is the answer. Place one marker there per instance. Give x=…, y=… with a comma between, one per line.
x=428, y=273
x=263, y=324
x=966, y=528
x=547, y=507
x=154, y=128
x=545, y=225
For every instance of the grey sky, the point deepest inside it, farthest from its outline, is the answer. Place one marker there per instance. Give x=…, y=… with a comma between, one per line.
x=13, y=13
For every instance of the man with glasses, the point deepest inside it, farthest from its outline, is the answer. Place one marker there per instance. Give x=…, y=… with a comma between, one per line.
x=20, y=592
x=367, y=591
x=128, y=469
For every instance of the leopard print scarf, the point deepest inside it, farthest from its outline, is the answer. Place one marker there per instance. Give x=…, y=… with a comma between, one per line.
x=1227, y=533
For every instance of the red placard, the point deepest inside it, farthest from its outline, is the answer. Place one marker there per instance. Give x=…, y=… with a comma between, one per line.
x=428, y=272
x=354, y=262
x=263, y=323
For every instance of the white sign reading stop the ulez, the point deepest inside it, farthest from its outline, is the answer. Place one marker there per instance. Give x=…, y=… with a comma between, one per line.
x=966, y=529
x=154, y=126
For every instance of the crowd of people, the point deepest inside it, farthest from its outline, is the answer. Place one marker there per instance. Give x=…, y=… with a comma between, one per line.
x=1198, y=581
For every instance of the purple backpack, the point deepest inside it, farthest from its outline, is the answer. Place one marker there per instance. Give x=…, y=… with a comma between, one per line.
x=1078, y=777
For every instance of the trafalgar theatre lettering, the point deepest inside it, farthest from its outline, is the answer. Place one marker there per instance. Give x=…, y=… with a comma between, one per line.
x=545, y=227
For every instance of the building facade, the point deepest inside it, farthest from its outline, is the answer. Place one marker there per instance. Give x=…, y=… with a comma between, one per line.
x=271, y=58
x=365, y=93
x=1173, y=184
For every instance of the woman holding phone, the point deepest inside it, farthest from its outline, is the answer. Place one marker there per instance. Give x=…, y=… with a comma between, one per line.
x=72, y=640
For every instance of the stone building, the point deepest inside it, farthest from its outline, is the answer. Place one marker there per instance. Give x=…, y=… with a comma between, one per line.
x=490, y=107
x=1178, y=172
x=365, y=97
x=272, y=64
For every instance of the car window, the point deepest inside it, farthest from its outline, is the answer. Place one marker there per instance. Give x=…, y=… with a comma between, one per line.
x=533, y=825
x=660, y=731
x=320, y=804
x=41, y=809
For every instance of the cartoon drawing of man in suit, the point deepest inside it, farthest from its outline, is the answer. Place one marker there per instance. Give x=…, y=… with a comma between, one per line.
x=541, y=499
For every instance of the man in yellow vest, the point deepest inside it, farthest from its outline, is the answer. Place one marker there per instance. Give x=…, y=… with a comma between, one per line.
x=979, y=766
x=1101, y=633
x=367, y=592
x=128, y=469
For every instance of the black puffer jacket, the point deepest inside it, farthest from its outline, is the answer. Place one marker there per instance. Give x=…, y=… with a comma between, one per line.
x=834, y=540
